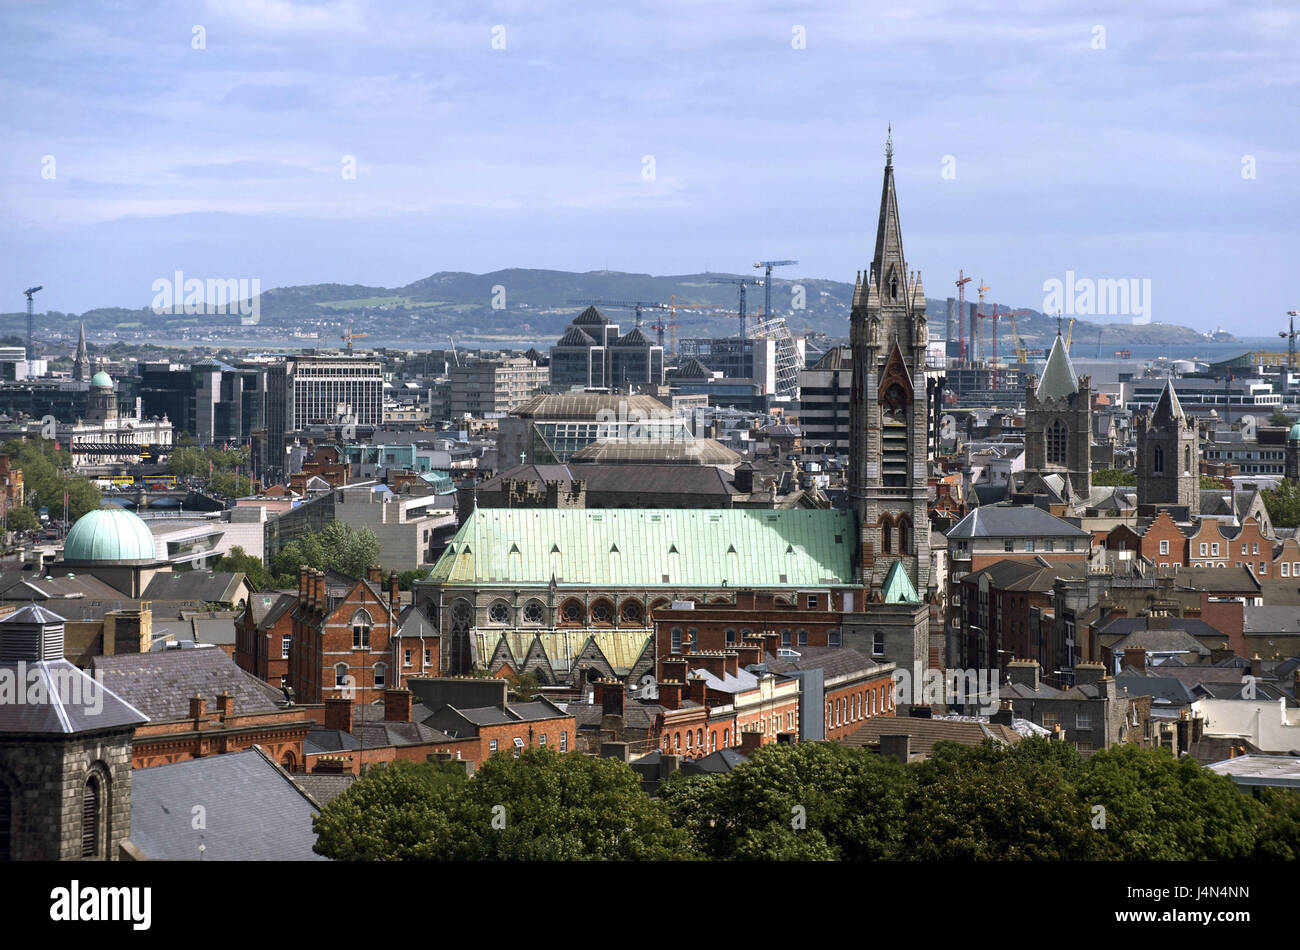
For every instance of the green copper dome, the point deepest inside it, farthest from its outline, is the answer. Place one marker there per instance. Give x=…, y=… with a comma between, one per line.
x=109, y=535
x=102, y=379
x=1294, y=434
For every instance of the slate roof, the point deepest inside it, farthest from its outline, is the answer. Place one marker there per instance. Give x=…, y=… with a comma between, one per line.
x=1014, y=521
x=216, y=587
x=591, y=317
x=671, y=451
x=1173, y=691
x=253, y=811
x=1270, y=621
x=161, y=684
x=628, y=479
x=1168, y=409
x=692, y=369
x=1037, y=574
x=575, y=337
x=269, y=608
x=81, y=588
x=633, y=337
x=834, y=662
x=69, y=701
x=323, y=787
x=1058, y=377
x=650, y=547
x=1178, y=639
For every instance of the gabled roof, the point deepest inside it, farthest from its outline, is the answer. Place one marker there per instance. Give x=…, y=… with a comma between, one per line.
x=161, y=684
x=1058, y=377
x=1014, y=521
x=898, y=587
x=590, y=317
x=253, y=811
x=216, y=587
x=71, y=701
x=575, y=337
x=658, y=547
x=692, y=369
x=633, y=337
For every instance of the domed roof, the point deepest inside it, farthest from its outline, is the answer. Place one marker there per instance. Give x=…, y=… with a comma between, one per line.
x=102, y=379
x=110, y=535
x=1294, y=434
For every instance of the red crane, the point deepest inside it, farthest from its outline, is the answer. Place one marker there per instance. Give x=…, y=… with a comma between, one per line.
x=962, y=281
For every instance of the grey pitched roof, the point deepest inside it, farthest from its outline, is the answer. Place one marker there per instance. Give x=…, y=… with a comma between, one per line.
x=1014, y=521
x=161, y=684
x=217, y=587
x=269, y=607
x=1180, y=636
x=67, y=701
x=411, y=622
x=633, y=337
x=324, y=787
x=253, y=811
x=590, y=317
x=1058, y=377
x=575, y=337
x=1268, y=621
x=1167, y=688
x=832, y=661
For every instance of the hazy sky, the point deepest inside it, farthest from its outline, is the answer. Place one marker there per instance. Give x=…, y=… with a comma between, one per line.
x=1031, y=139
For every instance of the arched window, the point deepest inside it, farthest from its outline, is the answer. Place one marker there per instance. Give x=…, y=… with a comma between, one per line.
x=904, y=532
x=572, y=613
x=288, y=761
x=381, y=676
x=92, y=806
x=361, y=624
x=1057, y=440
x=1187, y=459
x=726, y=737
x=6, y=821
x=341, y=675
x=699, y=738
x=1158, y=460
x=886, y=537
x=602, y=612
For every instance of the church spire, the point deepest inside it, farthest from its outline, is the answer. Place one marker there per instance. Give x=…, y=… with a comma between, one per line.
x=81, y=362
x=889, y=237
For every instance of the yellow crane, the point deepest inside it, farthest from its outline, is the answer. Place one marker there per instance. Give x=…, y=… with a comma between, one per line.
x=349, y=336
x=1069, y=334
x=1022, y=354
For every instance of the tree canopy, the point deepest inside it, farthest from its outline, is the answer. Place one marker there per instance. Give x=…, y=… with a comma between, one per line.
x=337, y=547
x=1283, y=504
x=47, y=474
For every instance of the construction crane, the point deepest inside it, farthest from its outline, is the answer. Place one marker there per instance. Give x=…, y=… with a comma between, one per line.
x=742, y=283
x=673, y=307
x=962, y=281
x=349, y=336
x=659, y=327
x=1288, y=335
x=31, y=320
x=454, y=355
x=1069, y=334
x=1022, y=354
x=635, y=305
x=767, y=282
x=979, y=320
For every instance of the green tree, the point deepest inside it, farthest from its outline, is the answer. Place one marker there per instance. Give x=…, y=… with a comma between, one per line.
x=1209, y=481
x=337, y=547
x=22, y=518
x=1279, y=825
x=47, y=474
x=1158, y=808
x=1279, y=418
x=1283, y=504
x=401, y=811
x=541, y=805
x=239, y=560
x=1113, y=476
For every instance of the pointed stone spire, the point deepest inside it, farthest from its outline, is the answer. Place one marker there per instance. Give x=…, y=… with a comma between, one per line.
x=859, y=298
x=81, y=362
x=1168, y=409
x=1059, y=378
x=918, y=293
x=889, y=236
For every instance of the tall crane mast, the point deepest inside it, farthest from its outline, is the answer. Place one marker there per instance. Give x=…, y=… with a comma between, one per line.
x=742, y=283
x=1291, y=339
x=767, y=282
x=31, y=320
x=979, y=320
x=962, y=281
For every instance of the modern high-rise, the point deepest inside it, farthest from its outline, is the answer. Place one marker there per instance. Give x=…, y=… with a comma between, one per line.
x=486, y=387
x=327, y=390
x=592, y=355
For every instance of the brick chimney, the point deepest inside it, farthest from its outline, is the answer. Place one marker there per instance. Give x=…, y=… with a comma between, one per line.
x=1085, y=674
x=1256, y=666
x=731, y=662
x=670, y=693
x=713, y=661
x=896, y=746
x=375, y=574
x=394, y=593
x=749, y=742
x=198, y=707
x=397, y=705
x=1136, y=657
x=609, y=696
x=697, y=689
x=304, y=584
x=1023, y=672
x=225, y=705
x=749, y=653
x=771, y=643
x=338, y=714
x=673, y=668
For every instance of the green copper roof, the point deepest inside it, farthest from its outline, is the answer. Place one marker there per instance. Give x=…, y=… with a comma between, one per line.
x=1058, y=375
x=102, y=379
x=650, y=547
x=1294, y=434
x=898, y=586
x=109, y=534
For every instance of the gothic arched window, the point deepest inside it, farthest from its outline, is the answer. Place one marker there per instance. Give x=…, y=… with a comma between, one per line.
x=886, y=537
x=1187, y=459
x=904, y=529
x=1057, y=441
x=91, y=808
x=361, y=624
x=1158, y=460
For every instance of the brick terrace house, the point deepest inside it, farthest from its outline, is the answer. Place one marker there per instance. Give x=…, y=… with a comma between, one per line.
x=200, y=703
x=344, y=643
x=479, y=716
x=263, y=632
x=1096, y=713
x=812, y=618
x=839, y=689
x=996, y=605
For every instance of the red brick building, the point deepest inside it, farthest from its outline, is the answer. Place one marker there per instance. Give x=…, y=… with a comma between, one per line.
x=344, y=637
x=263, y=633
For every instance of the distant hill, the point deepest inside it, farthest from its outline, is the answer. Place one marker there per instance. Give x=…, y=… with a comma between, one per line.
x=535, y=305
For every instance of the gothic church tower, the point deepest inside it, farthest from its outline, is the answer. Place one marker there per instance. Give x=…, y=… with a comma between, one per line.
x=1169, y=455
x=889, y=411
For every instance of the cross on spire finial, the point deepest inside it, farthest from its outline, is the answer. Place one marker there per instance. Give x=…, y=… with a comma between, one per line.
x=889, y=145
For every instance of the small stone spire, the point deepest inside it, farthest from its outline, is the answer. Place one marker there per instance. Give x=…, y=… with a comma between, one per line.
x=889, y=145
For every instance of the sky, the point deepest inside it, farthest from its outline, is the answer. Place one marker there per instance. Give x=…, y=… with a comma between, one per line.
x=377, y=143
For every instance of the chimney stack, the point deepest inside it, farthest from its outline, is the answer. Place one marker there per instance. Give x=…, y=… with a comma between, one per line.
x=896, y=746
x=670, y=693
x=338, y=714
x=198, y=708
x=1136, y=658
x=397, y=705
x=750, y=742
x=1024, y=672
x=698, y=689
x=225, y=705
x=375, y=574
x=394, y=593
